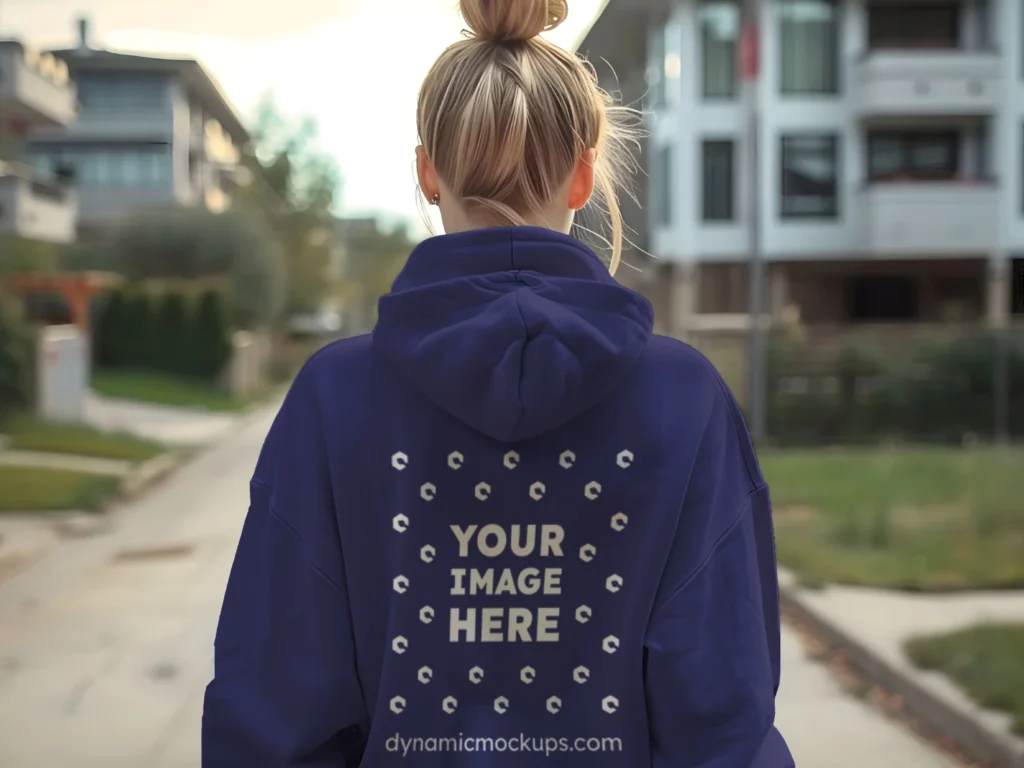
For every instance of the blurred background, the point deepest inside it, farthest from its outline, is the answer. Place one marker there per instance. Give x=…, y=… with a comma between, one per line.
x=195, y=197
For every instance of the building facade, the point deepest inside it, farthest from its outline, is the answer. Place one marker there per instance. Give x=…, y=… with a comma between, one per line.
x=890, y=156
x=35, y=92
x=151, y=132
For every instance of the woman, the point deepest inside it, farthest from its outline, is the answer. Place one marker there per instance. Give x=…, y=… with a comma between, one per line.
x=513, y=527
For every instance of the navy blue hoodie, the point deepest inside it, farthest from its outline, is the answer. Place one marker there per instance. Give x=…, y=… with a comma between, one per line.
x=511, y=528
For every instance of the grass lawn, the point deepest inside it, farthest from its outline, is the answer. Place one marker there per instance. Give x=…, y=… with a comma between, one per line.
x=29, y=434
x=986, y=661
x=916, y=519
x=32, y=489
x=164, y=389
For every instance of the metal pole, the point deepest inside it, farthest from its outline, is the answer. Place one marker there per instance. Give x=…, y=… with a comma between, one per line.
x=1001, y=375
x=750, y=63
x=1002, y=387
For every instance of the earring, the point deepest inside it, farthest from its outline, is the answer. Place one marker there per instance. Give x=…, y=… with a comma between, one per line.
x=436, y=199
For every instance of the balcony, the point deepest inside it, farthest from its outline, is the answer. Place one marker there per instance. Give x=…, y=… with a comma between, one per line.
x=35, y=209
x=34, y=89
x=926, y=82
x=929, y=218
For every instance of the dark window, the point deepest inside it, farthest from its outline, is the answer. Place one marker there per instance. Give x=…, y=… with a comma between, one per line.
x=913, y=25
x=882, y=298
x=718, y=188
x=661, y=187
x=1017, y=287
x=808, y=46
x=925, y=155
x=1021, y=169
x=719, y=31
x=809, y=176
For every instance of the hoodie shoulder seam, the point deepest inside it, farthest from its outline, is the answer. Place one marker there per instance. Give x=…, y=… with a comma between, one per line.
x=702, y=566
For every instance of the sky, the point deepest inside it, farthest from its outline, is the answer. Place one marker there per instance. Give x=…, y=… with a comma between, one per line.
x=354, y=66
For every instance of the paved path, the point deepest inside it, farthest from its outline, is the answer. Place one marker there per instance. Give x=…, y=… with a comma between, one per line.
x=105, y=649
x=883, y=621
x=171, y=426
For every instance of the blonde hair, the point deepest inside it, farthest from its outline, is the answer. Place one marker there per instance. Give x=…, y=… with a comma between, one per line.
x=505, y=116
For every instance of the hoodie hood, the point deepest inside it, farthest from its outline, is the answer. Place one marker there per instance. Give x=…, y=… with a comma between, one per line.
x=514, y=331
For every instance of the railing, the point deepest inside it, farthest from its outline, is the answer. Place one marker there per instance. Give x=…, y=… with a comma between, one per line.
x=48, y=67
x=50, y=190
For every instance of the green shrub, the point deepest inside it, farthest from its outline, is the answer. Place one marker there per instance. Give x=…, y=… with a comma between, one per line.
x=939, y=391
x=109, y=345
x=141, y=347
x=211, y=336
x=17, y=359
x=171, y=336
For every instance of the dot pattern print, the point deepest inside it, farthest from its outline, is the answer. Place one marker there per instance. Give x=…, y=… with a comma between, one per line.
x=588, y=556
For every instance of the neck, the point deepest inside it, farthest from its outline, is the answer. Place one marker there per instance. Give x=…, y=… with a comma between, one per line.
x=457, y=220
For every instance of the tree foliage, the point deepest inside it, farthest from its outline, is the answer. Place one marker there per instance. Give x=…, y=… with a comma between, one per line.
x=192, y=244
x=294, y=187
x=373, y=259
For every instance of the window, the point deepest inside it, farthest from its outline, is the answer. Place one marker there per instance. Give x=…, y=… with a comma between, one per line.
x=105, y=167
x=808, y=47
x=122, y=93
x=809, y=176
x=719, y=30
x=718, y=188
x=661, y=187
x=913, y=25
x=882, y=298
x=924, y=155
x=656, y=67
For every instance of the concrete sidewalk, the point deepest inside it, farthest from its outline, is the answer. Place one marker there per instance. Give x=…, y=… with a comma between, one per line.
x=105, y=650
x=874, y=626
x=164, y=424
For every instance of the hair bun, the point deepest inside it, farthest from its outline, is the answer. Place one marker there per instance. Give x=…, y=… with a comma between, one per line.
x=501, y=21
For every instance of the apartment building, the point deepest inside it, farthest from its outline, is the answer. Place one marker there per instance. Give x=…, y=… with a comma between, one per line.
x=151, y=132
x=890, y=156
x=35, y=91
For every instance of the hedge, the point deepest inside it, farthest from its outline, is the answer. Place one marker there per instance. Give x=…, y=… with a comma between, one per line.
x=938, y=391
x=171, y=333
x=17, y=360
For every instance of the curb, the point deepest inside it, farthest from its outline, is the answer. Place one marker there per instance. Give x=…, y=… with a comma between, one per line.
x=148, y=474
x=976, y=738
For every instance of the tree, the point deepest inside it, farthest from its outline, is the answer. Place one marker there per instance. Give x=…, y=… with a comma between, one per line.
x=373, y=260
x=294, y=185
x=194, y=244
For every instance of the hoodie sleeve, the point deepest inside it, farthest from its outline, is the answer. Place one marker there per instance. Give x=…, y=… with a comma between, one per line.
x=285, y=690
x=712, y=646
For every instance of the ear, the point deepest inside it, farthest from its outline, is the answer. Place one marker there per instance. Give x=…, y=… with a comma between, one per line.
x=582, y=186
x=427, y=175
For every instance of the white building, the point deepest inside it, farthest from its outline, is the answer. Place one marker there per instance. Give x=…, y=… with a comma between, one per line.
x=35, y=92
x=891, y=156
